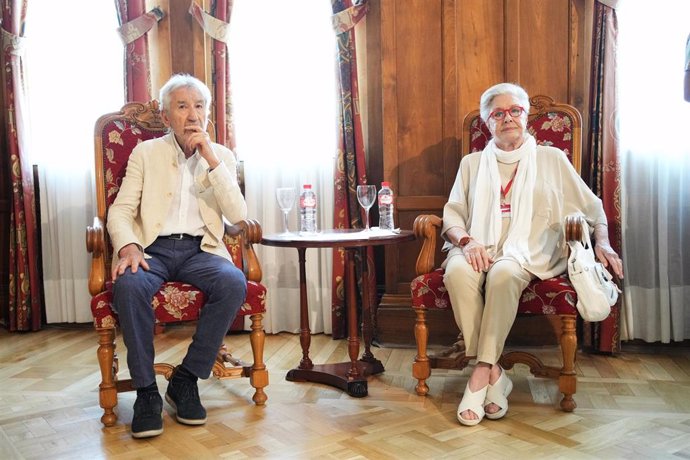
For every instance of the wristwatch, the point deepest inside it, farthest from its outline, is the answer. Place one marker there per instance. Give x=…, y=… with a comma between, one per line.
x=463, y=241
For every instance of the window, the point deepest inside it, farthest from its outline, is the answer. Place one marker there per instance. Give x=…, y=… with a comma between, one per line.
x=651, y=58
x=655, y=161
x=74, y=75
x=282, y=62
x=283, y=74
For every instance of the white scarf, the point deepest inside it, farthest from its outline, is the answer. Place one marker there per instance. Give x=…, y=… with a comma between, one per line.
x=486, y=209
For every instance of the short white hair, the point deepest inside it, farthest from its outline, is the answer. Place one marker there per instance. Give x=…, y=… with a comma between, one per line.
x=502, y=88
x=182, y=80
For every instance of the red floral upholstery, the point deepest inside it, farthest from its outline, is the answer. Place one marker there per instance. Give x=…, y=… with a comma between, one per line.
x=116, y=136
x=555, y=296
x=175, y=302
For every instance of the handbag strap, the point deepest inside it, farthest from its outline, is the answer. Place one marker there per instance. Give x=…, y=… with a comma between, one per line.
x=585, y=238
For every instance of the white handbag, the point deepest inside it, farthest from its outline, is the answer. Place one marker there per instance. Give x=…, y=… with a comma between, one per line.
x=596, y=290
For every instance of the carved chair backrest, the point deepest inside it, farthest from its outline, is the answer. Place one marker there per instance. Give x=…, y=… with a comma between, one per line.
x=116, y=134
x=551, y=123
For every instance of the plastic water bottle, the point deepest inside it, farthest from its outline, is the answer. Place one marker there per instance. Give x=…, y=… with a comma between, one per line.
x=386, y=205
x=307, y=210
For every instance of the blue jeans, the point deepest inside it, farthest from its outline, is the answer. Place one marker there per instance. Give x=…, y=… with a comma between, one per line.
x=223, y=284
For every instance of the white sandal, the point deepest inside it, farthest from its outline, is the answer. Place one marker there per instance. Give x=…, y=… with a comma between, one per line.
x=472, y=401
x=498, y=394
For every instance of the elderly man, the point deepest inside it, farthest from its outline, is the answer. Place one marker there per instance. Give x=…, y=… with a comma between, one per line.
x=167, y=224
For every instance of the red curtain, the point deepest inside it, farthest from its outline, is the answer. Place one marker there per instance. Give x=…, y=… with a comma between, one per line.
x=221, y=10
x=351, y=160
x=24, y=275
x=605, y=166
x=216, y=26
x=137, y=75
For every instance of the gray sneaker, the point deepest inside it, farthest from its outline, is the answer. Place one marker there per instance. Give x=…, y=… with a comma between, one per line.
x=147, y=420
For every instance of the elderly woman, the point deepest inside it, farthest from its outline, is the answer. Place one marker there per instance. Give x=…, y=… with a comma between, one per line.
x=503, y=226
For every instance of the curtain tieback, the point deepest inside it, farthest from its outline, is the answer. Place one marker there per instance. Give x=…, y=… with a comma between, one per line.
x=139, y=26
x=214, y=27
x=348, y=18
x=15, y=43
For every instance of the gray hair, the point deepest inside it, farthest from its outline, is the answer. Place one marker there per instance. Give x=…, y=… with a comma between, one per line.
x=502, y=88
x=181, y=81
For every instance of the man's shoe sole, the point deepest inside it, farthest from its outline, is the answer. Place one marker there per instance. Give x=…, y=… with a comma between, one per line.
x=147, y=434
x=186, y=421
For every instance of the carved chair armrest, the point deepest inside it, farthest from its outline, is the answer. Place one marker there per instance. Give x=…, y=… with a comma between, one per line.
x=95, y=244
x=249, y=233
x=426, y=228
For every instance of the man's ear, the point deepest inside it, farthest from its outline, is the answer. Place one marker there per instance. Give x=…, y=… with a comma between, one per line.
x=164, y=117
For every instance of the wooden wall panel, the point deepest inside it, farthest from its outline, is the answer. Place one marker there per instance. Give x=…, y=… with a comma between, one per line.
x=480, y=54
x=413, y=102
x=537, y=39
x=159, y=49
x=436, y=58
x=419, y=99
x=178, y=44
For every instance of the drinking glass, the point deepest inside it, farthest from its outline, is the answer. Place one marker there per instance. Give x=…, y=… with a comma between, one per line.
x=366, y=195
x=286, y=199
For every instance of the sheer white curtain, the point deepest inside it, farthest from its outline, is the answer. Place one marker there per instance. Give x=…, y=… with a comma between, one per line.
x=655, y=151
x=74, y=75
x=284, y=100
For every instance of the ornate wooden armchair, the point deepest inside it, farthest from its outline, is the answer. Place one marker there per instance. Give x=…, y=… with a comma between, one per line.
x=551, y=124
x=116, y=134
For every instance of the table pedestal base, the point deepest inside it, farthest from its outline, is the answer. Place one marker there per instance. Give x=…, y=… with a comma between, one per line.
x=336, y=375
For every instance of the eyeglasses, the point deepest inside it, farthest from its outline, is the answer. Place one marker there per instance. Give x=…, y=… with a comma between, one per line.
x=500, y=114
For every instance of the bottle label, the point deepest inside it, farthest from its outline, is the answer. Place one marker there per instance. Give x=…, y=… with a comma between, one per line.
x=307, y=202
x=386, y=199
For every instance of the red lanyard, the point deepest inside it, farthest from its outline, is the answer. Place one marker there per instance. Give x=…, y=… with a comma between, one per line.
x=505, y=191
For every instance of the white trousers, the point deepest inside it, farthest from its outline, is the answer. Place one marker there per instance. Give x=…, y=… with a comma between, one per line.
x=484, y=304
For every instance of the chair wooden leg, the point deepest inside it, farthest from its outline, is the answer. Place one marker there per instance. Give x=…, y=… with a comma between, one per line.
x=259, y=375
x=107, y=390
x=421, y=369
x=567, y=381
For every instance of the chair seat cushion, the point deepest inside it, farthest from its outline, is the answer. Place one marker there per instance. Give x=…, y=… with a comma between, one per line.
x=175, y=302
x=554, y=296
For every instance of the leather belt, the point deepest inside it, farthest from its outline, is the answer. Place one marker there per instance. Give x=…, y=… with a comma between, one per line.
x=181, y=236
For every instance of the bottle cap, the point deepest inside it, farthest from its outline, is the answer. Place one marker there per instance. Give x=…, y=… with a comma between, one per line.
x=385, y=184
x=306, y=186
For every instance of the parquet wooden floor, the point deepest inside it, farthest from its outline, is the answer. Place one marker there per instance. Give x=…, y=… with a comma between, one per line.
x=636, y=405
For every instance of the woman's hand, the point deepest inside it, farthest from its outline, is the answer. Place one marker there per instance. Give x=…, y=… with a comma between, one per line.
x=608, y=257
x=477, y=256
x=605, y=253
